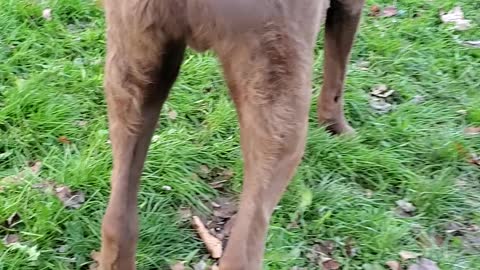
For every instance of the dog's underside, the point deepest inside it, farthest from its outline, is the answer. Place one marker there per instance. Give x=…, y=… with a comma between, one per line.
x=265, y=48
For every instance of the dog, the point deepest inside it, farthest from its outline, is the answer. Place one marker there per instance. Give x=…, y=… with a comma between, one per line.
x=266, y=50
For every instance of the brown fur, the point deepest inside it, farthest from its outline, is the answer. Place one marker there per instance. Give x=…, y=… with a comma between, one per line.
x=266, y=50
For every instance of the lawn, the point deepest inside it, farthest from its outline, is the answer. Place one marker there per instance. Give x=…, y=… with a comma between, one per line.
x=345, y=194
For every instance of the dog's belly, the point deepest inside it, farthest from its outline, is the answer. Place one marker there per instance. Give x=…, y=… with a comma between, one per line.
x=213, y=23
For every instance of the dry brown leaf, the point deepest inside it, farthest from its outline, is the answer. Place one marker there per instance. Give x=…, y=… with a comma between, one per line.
x=350, y=248
x=393, y=265
x=374, y=11
x=68, y=198
x=408, y=255
x=330, y=264
x=389, y=11
x=472, y=131
x=456, y=17
x=64, y=140
x=35, y=167
x=178, y=266
x=213, y=244
x=11, y=239
x=424, y=264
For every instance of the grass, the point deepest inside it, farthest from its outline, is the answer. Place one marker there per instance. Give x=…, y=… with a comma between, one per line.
x=346, y=188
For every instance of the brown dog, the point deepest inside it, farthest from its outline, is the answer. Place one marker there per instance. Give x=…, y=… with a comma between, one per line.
x=266, y=50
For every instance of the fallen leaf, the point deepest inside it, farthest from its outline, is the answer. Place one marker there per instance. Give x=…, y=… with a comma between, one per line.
x=472, y=131
x=31, y=252
x=381, y=91
x=10, y=239
x=389, y=11
x=68, y=198
x=325, y=247
x=393, y=265
x=406, y=206
x=12, y=221
x=378, y=98
x=424, y=264
x=455, y=228
x=408, y=255
x=64, y=140
x=178, y=266
x=350, y=248
x=213, y=244
x=473, y=43
x=456, y=16
x=172, y=115
x=33, y=168
x=47, y=14
x=46, y=186
x=225, y=208
x=330, y=264
x=374, y=10
x=223, y=218
x=380, y=105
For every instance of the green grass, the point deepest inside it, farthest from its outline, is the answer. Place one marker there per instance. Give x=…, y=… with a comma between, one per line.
x=51, y=78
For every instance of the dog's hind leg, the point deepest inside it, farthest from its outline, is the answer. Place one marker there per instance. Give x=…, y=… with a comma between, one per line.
x=341, y=24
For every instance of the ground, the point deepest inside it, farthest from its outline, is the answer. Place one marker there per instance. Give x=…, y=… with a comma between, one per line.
x=52, y=111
